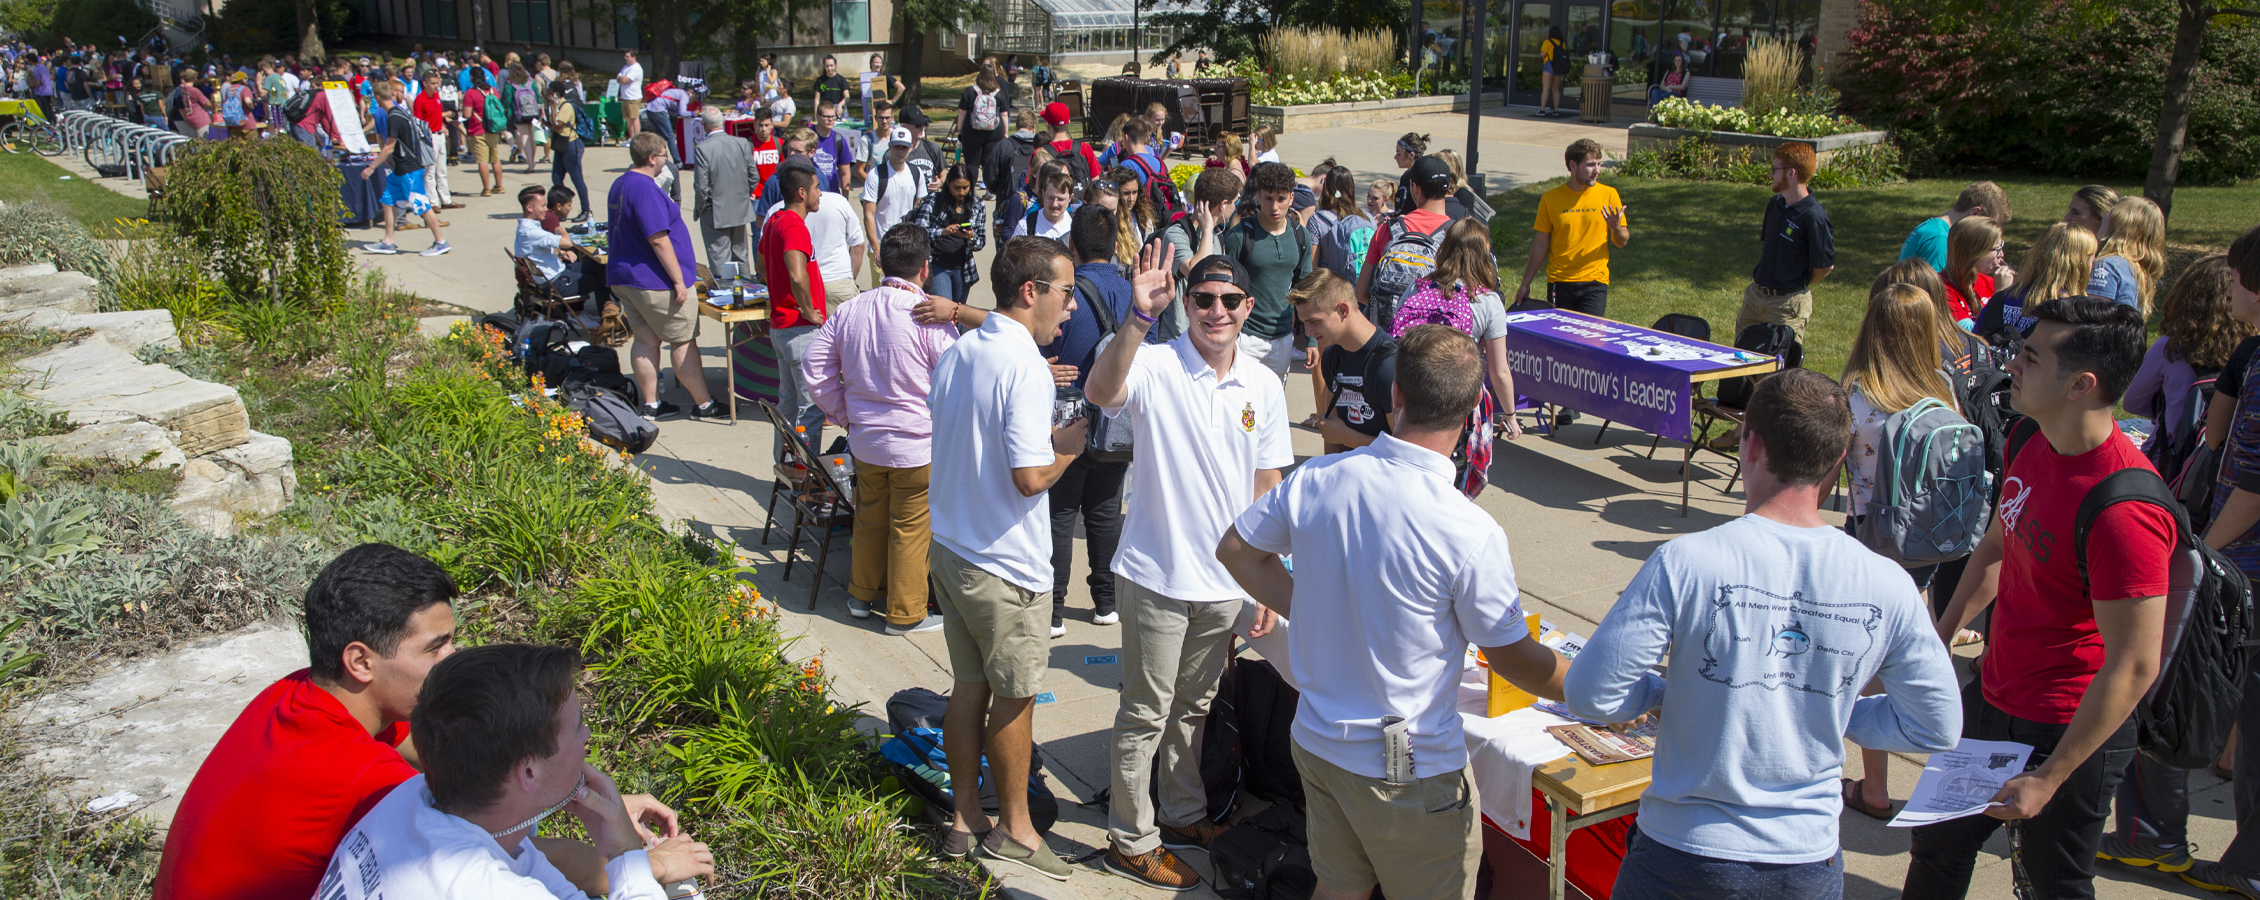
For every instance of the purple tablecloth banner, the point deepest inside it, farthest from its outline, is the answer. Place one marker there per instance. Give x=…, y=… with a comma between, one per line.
x=753, y=362
x=1626, y=374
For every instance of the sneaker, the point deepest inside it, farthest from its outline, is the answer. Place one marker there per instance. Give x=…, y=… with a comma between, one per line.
x=860, y=609
x=382, y=248
x=662, y=410
x=583, y=217
x=931, y=623
x=959, y=844
x=712, y=410
x=1191, y=837
x=1059, y=630
x=2138, y=854
x=1109, y=617
x=1038, y=859
x=1159, y=869
x=439, y=248
x=2215, y=876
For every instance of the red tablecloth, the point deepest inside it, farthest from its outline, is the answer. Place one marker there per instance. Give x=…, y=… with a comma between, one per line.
x=1594, y=850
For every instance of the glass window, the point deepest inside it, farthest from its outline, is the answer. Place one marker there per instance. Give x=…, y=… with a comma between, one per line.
x=851, y=21
x=529, y=21
x=440, y=18
x=625, y=34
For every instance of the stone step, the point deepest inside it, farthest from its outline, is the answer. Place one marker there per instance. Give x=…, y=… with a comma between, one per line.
x=254, y=478
x=96, y=381
x=129, y=331
x=69, y=292
x=129, y=444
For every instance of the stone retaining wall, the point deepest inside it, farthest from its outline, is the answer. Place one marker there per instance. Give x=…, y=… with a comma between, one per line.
x=1650, y=136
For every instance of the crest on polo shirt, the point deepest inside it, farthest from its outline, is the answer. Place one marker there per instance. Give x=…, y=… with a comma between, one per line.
x=1248, y=417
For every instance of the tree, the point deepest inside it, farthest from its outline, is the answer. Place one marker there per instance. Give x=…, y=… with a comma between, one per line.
x=2196, y=17
x=1234, y=29
x=921, y=17
x=310, y=47
x=676, y=30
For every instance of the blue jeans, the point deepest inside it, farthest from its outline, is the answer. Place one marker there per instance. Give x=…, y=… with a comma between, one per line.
x=1652, y=871
x=564, y=161
x=949, y=284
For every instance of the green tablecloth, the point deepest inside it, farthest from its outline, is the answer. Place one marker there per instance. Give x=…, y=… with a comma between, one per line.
x=607, y=111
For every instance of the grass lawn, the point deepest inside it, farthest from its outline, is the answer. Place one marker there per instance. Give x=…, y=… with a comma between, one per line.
x=1694, y=243
x=27, y=177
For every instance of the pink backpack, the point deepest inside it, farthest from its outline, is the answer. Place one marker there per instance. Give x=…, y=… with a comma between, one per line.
x=1428, y=304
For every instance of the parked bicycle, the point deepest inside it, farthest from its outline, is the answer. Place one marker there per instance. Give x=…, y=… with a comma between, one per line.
x=26, y=129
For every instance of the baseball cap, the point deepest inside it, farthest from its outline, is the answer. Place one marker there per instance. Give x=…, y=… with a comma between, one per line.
x=914, y=116
x=1238, y=276
x=1056, y=114
x=1431, y=174
x=900, y=138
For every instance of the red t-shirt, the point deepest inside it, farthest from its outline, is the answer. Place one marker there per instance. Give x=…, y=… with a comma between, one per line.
x=1420, y=218
x=765, y=158
x=274, y=798
x=1981, y=284
x=788, y=231
x=428, y=109
x=2044, y=649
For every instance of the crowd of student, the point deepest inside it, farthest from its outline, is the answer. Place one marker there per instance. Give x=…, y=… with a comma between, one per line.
x=1125, y=307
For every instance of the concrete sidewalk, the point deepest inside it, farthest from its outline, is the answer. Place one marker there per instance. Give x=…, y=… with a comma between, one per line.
x=1581, y=516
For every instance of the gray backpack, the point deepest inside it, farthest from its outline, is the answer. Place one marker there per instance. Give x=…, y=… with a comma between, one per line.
x=611, y=420
x=1933, y=494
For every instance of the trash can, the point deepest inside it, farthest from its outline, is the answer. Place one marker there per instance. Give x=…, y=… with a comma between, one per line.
x=1595, y=93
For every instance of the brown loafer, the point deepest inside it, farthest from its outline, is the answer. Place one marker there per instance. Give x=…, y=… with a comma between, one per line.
x=1159, y=869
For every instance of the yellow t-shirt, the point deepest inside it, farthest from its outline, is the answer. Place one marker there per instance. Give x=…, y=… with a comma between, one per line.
x=1580, y=238
x=1549, y=50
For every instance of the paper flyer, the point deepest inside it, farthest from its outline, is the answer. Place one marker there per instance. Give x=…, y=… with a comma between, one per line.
x=1962, y=781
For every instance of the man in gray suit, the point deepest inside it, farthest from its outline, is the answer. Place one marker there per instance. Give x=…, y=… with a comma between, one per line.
x=723, y=195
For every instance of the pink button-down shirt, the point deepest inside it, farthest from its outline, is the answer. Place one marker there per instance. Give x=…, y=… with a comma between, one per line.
x=870, y=367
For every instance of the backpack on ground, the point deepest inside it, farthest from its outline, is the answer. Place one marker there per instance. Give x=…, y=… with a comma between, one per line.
x=1409, y=257
x=1933, y=494
x=1431, y=305
x=2185, y=718
x=1264, y=705
x=985, y=116
x=915, y=753
x=493, y=112
x=298, y=105
x=612, y=421
x=540, y=347
x=1265, y=857
x=1342, y=250
x=1770, y=339
x=1168, y=203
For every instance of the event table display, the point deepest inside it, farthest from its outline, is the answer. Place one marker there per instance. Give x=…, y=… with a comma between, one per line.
x=363, y=197
x=1627, y=374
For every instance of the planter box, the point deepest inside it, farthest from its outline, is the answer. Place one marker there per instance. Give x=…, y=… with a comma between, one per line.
x=1320, y=116
x=1650, y=136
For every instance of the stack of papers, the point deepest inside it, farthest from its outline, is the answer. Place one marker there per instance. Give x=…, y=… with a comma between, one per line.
x=1962, y=781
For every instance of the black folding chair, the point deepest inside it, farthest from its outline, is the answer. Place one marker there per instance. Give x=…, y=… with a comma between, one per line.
x=821, y=503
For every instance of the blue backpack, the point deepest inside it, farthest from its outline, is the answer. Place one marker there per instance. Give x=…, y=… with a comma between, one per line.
x=915, y=753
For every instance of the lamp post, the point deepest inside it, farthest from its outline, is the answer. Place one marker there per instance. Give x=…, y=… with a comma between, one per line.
x=1477, y=36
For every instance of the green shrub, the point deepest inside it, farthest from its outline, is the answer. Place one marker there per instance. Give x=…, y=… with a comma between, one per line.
x=1693, y=158
x=264, y=214
x=37, y=233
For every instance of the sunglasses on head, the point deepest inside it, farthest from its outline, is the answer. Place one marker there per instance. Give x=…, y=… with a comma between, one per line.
x=1232, y=301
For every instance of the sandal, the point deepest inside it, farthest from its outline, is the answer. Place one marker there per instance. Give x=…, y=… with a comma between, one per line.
x=1852, y=800
x=1314, y=420
x=1966, y=637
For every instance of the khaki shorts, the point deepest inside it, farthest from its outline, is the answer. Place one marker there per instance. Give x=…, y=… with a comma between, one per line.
x=631, y=109
x=998, y=632
x=658, y=312
x=1761, y=305
x=486, y=148
x=1419, y=841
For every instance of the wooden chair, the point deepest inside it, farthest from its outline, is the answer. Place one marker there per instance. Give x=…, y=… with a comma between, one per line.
x=821, y=504
x=537, y=296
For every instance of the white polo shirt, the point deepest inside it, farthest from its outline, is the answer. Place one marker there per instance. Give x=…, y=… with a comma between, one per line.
x=992, y=407
x=1395, y=572
x=832, y=229
x=1200, y=440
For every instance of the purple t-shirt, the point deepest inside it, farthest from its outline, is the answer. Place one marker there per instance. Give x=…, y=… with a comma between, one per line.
x=638, y=209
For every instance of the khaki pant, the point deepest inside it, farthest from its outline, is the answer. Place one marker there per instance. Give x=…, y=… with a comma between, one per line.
x=1173, y=652
x=436, y=183
x=1419, y=841
x=892, y=532
x=486, y=148
x=1761, y=305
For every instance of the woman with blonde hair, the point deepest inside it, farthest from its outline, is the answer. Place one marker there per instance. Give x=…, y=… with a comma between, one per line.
x=1974, y=269
x=1463, y=202
x=2133, y=255
x=1266, y=140
x=2089, y=205
x=2058, y=265
x=1465, y=283
x=2196, y=337
x=1894, y=364
x=1228, y=154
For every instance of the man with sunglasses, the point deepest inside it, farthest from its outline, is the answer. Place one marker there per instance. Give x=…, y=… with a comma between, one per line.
x=1211, y=421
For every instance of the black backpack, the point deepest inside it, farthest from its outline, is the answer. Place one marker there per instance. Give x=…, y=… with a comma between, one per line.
x=1982, y=397
x=1770, y=339
x=2177, y=441
x=1168, y=203
x=298, y=105
x=1265, y=707
x=2184, y=720
x=1265, y=857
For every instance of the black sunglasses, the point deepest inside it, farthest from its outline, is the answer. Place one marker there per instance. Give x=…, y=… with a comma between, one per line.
x=1205, y=301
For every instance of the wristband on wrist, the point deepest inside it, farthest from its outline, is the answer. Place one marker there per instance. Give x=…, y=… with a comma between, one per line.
x=1141, y=314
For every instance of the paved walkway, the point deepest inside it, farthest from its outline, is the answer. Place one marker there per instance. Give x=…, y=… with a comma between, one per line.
x=1581, y=517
